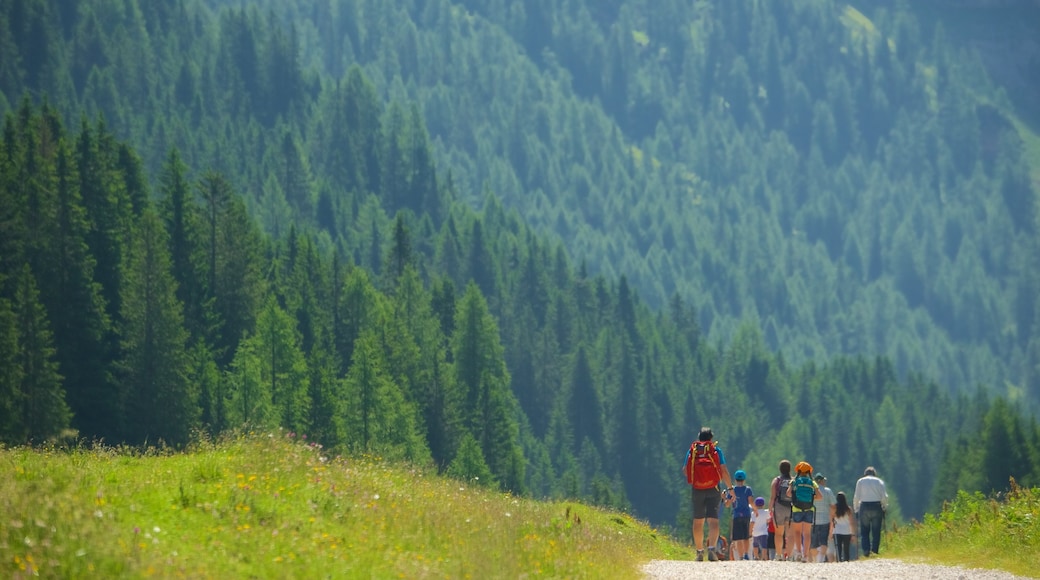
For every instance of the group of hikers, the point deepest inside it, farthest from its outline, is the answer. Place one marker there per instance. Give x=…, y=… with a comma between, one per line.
x=801, y=520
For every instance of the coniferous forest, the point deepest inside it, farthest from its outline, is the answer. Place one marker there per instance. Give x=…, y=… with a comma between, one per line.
x=536, y=242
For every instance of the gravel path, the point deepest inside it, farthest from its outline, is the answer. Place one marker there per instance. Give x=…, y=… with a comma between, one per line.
x=873, y=568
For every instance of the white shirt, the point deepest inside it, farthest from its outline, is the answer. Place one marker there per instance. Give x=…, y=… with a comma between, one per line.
x=843, y=525
x=869, y=488
x=760, y=519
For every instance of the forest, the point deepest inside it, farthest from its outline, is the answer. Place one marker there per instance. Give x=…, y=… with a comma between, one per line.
x=536, y=243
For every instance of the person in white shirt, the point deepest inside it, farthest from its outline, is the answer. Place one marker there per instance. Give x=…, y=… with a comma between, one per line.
x=760, y=529
x=844, y=524
x=870, y=501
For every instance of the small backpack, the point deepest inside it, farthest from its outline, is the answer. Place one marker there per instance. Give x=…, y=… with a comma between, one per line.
x=803, y=493
x=783, y=482
x=702, y=465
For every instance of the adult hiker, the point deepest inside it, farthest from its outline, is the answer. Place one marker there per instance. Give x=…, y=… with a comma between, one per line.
x=821, y=529
x=870, y=501
x=705, y=468
x=780, y=507
x=803, y=492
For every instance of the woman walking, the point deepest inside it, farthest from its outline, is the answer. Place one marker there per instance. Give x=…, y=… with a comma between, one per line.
x=844, y=523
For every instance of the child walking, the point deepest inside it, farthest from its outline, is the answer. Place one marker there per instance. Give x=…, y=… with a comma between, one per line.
x=760, y=520
x=741, y=529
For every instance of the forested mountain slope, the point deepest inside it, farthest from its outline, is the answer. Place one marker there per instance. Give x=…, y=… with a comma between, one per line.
x=849, y=180
x=300, y=178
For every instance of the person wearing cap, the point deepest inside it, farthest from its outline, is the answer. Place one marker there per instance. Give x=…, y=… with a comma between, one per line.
x=760, y=529
x=870, y=500
x=821, y=530
x=741, y=528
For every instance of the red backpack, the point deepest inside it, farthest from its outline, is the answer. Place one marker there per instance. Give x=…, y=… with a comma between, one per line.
x=702, y=465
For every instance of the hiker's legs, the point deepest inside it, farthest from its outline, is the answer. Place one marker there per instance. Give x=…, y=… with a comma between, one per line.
x=870, y=528
x=843, y=542
x=698, y=534
x=781, y=541
x=782, y=522
x=705, y=507
x=713, y=532
x=875, y=532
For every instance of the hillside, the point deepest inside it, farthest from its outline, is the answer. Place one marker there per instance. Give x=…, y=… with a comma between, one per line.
x=421, y=231
x=848, y=196
x=268, y=506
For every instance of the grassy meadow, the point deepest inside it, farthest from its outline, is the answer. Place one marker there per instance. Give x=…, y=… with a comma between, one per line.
x=975, y=531
x=273, y=506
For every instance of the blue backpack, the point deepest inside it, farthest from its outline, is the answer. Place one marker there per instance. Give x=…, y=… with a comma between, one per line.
x=803, y=491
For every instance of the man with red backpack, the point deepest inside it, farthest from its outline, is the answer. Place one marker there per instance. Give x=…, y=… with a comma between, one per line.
x=705, y=468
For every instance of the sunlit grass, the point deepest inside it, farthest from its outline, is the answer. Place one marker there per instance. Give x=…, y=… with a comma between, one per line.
x=974, y=531
x=272, y=506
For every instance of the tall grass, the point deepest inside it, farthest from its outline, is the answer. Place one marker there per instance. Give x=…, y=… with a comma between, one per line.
x=975, y=531
x=271, y=506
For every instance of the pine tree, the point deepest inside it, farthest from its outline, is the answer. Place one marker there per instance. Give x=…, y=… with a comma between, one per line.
x=182, y=219
x=488, y=406
x=379, y=419
x=249, y=395
x=282, y=366
x=42, y=409
x=469, y=464
x=233, y=247
x=10, y=377
x=161, y=402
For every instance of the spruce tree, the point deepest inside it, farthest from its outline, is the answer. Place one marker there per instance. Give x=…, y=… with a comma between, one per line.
x=161, y=402
x=40, y=396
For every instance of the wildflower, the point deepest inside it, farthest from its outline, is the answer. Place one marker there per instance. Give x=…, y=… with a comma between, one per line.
x=376, y=496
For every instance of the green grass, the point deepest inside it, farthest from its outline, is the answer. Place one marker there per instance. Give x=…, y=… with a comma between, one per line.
x=975, y=531
x=268, y=506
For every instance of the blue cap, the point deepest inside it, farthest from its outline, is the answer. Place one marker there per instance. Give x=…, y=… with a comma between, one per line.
x=740, y=475
x=760, y=501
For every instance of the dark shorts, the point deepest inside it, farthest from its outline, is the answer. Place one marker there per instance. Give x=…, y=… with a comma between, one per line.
x=781, y=515
x=820, y=533
x=803, y=517
x=741, y=528
x=706, y=503
x=761, y=542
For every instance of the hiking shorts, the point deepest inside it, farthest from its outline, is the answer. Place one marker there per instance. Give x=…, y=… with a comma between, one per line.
x=706, y=503
x=741, y=528
x=781, y=514
x=761, y=542
x=820, y=533
x=806, y=517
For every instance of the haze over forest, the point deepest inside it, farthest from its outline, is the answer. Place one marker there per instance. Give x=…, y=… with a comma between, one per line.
x=542, y=241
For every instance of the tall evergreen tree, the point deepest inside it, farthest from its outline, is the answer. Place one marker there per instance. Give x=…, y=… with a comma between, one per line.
x=282, y=365
x=42, y=409
x=379, y=419
x=161, y=402
x=182, y=219
x=10, y=376
x=489, y=406
x=233, y=248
